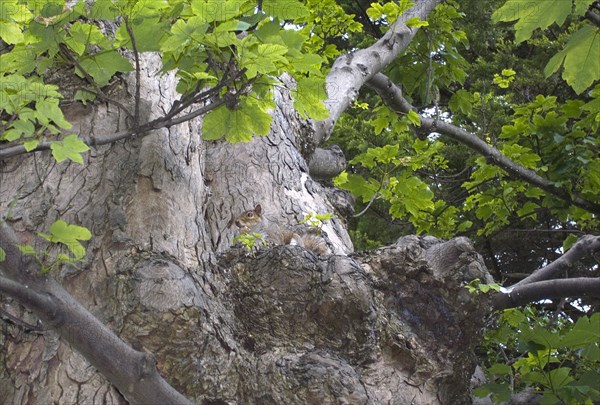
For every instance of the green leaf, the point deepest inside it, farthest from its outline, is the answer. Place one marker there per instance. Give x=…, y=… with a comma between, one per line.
x=373, y=156
x=11, y=33
x=265, y=59
x=514, y=317
x=104, y=10
x=184, y=33
x=581, y=6
x=64, y=233
x=500, y=392
x=147, y=33
x=102, y=66
x=414, y=118
x=500, y=369
x=237, y=125
x=580, y=59
x=559, y=377
x=461, y=101
x=416, y=22
x=285, y=9
x=569, y=241
x=31, y=145
x=68, y=235
x=81, y=35
x=69, y=148
x=357, y=185
x=532, y=15
x=216, y=10
x=48, y=111
x=308, y=63
x=26, y=249
x=2, y=255
x=309, y=96
x=585, y=331
x=528, y=210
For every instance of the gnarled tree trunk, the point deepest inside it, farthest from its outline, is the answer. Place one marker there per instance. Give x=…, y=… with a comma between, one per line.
x=225, y=326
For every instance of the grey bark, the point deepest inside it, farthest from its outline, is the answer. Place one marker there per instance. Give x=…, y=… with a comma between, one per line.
x=281, y=327
x=226, y=326
x=325, y=164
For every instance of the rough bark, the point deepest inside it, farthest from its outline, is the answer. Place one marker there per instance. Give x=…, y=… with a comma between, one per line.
x=284, y=326
x=225, y=326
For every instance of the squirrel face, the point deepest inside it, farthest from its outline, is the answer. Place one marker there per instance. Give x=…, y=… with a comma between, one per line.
x=249, y=219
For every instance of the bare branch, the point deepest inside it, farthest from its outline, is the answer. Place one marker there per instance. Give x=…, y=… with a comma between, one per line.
x=143, y=130
x=351, y=71
x=16, y=321
x=392, y=96
x=523, y=294
x=585, y=246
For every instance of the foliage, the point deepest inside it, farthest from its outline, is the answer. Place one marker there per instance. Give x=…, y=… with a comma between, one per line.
x=62, y=235
x=474, y=64
x=580, y=57
x=475, y=287
x=557, y=356
x=315, y=221
x=463, y=68
x=445, y=188
x=199, y=41
x=251, y=241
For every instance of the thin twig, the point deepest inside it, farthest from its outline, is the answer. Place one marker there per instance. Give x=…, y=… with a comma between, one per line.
x=27, y=326
x=368, y=205
x=136, y=57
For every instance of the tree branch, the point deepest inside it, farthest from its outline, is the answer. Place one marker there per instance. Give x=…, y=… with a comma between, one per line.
x=143, y=130
x=133, y=373
x=351, y=71
x=165, y=121
x=392, y=96
x=523, y=294
x=585, y=246
x=27, y=296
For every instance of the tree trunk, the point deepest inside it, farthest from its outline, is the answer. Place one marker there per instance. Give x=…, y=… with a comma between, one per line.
x=278, y=326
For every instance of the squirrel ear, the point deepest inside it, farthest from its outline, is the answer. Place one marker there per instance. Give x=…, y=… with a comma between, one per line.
x=258, y=209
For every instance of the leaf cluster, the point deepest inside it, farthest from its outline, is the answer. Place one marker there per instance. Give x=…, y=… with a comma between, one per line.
x=64, y=237
x=561, y=361
x=229, y=54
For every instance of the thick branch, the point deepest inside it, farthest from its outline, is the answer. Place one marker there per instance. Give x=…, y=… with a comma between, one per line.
x=392, y=96
x=326, y=163
x=27, y=296
x=523, y=294
x=351, y=71
x=133, y=373
x=585, y=246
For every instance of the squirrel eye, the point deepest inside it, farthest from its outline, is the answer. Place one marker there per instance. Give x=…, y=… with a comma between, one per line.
x=250, y=214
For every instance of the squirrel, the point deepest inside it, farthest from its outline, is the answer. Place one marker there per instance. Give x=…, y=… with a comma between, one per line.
x=252, y=221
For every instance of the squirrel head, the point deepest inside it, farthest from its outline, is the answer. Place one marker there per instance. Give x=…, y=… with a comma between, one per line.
x=249, y=218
